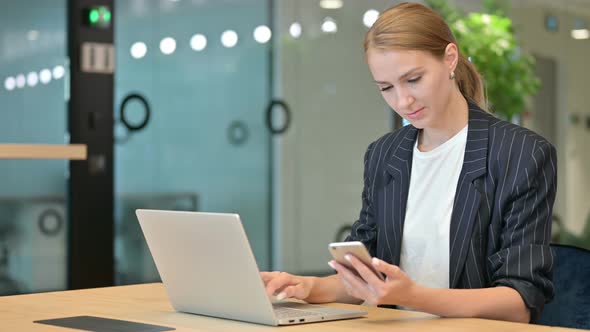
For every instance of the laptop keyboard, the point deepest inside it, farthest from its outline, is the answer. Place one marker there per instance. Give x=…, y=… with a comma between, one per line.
x=283, y=312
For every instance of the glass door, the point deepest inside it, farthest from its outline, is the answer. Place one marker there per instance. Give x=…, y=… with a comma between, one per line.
x=33, y=205
x=191, y=87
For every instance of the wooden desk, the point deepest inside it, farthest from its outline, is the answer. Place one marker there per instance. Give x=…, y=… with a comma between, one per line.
x=148, y=303
x=43, y=151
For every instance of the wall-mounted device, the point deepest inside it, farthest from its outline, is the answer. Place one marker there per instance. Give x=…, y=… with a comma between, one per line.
x=99, y=17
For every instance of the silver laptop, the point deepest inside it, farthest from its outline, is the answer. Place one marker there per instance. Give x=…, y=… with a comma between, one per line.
x=207, y=267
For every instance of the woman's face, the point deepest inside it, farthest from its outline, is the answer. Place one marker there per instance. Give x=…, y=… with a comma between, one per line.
x=415, y=84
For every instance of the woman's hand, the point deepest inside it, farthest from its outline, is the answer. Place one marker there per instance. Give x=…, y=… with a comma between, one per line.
x=286, y=285
x=397, y=289
x=503, y=303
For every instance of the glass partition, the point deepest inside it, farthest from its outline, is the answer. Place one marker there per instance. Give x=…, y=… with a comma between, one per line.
x=33, y=210
x=338, y=112
x=201, y=67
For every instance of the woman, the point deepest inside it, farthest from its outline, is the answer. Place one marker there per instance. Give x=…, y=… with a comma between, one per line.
x=467, y=234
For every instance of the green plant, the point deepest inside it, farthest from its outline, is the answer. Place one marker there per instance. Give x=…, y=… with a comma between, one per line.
x=488, y=40
x=565, y=236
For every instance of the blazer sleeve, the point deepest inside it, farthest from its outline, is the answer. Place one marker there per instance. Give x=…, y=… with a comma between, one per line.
x=364, y=229
x=525, y=260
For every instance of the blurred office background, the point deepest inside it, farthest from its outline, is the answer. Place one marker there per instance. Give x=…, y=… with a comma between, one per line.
x=211, y=71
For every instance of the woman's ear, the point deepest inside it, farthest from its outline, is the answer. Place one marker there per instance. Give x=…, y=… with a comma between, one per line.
x=451, y=57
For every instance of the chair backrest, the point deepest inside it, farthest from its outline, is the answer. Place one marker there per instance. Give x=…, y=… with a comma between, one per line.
x=571, y=276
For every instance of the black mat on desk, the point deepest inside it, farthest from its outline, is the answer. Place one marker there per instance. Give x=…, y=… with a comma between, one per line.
x=100, y=324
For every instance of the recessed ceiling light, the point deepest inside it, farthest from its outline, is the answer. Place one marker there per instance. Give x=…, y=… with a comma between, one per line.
x=138, y=50
x=331, y=4
x=198, y=42
x=45, y=76
x=370, y=17
x=295, y=30
x=10, y=83
x=329, y=25
x=229, y=38
x=21, y=81
x=168, y=45
x=262, y=34
x=32, y=79
x=580, y=34
x=58, y=72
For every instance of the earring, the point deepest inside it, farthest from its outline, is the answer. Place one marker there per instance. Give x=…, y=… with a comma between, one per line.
x=452, y=77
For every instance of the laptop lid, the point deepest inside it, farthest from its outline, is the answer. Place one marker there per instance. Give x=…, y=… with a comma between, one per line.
x=206, y=264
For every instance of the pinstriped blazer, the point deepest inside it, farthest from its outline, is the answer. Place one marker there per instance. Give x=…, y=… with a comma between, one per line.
x=501, y=219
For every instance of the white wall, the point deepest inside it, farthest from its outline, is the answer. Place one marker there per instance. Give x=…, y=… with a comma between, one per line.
x=337, y=112
x=573, y=78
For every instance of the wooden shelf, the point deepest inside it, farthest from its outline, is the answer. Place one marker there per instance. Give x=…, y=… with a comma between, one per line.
x=43, y=151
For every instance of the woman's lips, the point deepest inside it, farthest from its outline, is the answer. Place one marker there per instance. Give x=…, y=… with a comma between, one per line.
x=416, y=114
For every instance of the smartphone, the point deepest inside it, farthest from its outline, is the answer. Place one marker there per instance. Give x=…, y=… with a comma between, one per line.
x=356, y=248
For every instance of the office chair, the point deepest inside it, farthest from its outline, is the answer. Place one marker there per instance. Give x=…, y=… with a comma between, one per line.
x=571, y=277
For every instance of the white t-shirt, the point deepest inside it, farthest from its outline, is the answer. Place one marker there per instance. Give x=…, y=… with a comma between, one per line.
x=433, y=182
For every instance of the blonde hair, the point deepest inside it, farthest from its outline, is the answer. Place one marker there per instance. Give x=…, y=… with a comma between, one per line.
x=412, y=26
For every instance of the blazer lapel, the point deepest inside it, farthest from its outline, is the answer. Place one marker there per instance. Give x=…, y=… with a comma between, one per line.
x=468, y=194
x=398, y=169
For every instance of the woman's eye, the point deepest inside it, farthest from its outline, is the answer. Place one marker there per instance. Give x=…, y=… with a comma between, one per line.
x=415, y=80
x=386, y=88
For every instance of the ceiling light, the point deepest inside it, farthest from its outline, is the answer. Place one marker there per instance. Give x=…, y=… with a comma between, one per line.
x=168, y=45
x=580, y=34
x=21, y=81
x=262, y=34
x=58, y=72
x=329, y=25
x=138, y=50
x=32, y=79
x=370, y=17
x=45, y=76
x=295, y=30
x=10, y=83
x=229, y=38
x=198, y=42
x=331, y=4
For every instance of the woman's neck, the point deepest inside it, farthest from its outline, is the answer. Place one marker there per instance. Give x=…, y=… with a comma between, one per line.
x=451, y=121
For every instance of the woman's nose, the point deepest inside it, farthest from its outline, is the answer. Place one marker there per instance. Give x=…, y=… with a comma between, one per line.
x=405, y=100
